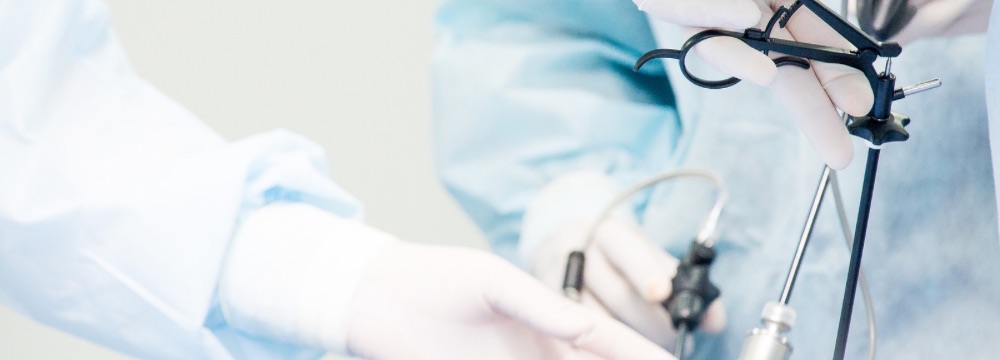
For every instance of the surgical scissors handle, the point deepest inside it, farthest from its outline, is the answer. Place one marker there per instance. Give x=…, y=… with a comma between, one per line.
x=862, y=59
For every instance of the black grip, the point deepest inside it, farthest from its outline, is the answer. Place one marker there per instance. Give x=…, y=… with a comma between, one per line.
x=692, y=290
x=573, y=279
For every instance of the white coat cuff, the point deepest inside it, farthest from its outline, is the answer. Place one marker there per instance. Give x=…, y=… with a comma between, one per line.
x=292, y=272
x=579, y=196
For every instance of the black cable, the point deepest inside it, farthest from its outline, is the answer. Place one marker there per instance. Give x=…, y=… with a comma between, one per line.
x=853, y=270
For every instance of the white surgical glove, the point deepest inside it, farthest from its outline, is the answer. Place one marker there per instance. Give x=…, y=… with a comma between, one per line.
x=935, y=18
x=432, y=302
x=301, y=275
x=624, y=274
x=811, y=96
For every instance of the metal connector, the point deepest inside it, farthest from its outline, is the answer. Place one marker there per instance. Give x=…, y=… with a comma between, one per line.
x=769, y=342
x=921, y=87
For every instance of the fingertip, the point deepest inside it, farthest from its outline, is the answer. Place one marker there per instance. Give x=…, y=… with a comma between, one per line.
x=854, y=96
x=735, y=58
x=839, y=155
x=715, y=317
x=658, y=291
x=757, y=68
x=764, y=74
x=846, y=87
x=812, y=108
x=840, y=164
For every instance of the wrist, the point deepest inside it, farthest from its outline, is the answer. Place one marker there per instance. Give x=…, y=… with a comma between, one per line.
x=292, y=272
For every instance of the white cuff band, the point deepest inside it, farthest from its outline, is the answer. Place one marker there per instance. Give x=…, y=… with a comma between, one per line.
x=292, y=272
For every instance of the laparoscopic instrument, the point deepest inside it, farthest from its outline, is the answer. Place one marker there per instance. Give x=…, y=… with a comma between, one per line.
x=777, y=318
x=878, y=127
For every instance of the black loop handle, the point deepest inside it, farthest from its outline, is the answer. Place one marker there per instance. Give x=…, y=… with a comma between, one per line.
x=681, y=56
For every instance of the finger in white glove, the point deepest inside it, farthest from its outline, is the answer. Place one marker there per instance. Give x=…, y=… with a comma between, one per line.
x=431, y=302
x=631, y=278
x=811, y=96
x=812, y=99
x=734, y=58
x=624, y=273
x=613, y=291
x=649, y=275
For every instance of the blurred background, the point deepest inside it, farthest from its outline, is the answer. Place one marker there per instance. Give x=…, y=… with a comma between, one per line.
x=351, y=75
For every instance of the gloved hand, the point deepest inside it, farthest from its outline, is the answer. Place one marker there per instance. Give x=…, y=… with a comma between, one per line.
x=936, y=18
x=299, y=274
x=624, y=274
x=432, y=302
x=809, y=95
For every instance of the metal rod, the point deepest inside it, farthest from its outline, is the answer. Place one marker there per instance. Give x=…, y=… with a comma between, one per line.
x=854, y=269
x=681, y=341
x=793, y=271
x=921, y=87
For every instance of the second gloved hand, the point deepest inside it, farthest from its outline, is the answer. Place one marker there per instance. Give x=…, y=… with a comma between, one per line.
x=625, y=274
x=811, y=96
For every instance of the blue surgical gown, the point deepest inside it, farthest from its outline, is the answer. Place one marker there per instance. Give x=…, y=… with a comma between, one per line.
x=526, y=91
x=116, y=204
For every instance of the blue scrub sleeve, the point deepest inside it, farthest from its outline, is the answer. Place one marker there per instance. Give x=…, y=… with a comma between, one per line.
x=524, y=93
x=117, y=206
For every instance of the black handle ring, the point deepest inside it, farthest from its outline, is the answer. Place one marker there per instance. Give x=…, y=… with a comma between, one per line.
x=681, y=56
x=688, y=45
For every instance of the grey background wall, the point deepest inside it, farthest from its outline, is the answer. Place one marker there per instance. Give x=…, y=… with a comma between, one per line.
x=351, y=75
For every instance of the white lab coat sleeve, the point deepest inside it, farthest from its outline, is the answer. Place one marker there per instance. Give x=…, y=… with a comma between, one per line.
x=117, y=206
x=528, y=91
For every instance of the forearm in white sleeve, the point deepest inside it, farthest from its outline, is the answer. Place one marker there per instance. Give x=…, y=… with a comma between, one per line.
x=117, y=206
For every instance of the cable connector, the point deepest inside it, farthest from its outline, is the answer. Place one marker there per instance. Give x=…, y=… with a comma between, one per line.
x=692, y=289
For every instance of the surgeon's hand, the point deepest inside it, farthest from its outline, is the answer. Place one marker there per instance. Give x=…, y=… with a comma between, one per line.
x=936, y=18
x=811, y=96
x=299, y=274
x=433, y=302
x=624, y=275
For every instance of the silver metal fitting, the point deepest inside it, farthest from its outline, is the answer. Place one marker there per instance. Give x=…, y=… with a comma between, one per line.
x=921, y=87
x=769, y=342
